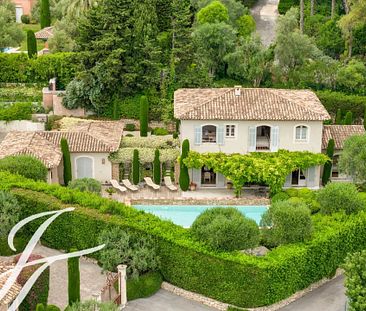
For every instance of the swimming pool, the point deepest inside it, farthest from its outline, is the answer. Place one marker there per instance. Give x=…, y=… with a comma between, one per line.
x=184, y=215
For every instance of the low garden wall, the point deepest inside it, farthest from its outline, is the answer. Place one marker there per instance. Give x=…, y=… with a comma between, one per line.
x=21, y=125
x=234, y=278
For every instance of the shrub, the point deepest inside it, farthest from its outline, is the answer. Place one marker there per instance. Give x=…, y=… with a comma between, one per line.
x=31, y=44
x=144, y=286
x=154, y=142
x=348, y=119
x=67, y=161
x=24, y=165
x=25, y=19
x=138, y=253
x=290, y=222
x=157, y=167
x=184, y=176
x=338, y=118
x=20, y=94
x=93, y=305
x=225, y=229
x=10, y=211
x=16, y=111
x=246, y=25
x=356, y=280
x=215, y=12
x=328, y=166
x=45, y=15
x=281, y=196
x=285, y=5
x=130, y=127
x=73, y=284
x=136, y=167
x=175, y=135
x=339, y=197
x=20, y=242
x=86, y=184
x=144, y=116
x=41, y=307
x=159, y=131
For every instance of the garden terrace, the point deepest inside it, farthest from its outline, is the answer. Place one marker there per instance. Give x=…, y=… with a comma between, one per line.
x=231, y=277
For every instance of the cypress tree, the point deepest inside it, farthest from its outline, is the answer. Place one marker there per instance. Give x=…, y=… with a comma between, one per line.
x=184, y=176
x=328, y=165
x=67, y=161
x=40, y=307
x=338, y=119
x=348, y=118
x=144, y=113
x=157, y=168
x=31, y=44
x=135, y=167
x=73, y=270
x=45, y=15
x=364, y=119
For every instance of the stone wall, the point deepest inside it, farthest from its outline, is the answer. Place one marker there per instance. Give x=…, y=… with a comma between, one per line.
x=21, y=125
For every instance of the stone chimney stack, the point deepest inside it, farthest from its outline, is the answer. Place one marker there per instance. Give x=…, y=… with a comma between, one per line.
x=237, y=90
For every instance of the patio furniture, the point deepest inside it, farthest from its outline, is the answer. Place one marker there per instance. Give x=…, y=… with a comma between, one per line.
x=151, y=184
x=207, y=176
x=129, y=186
x=115, y=184
x=169, y=184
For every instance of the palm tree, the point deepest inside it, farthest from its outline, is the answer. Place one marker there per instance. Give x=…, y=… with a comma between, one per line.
x=76, y=8
x=302, y=16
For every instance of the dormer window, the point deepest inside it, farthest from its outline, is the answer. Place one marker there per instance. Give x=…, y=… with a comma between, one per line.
x=301, y=133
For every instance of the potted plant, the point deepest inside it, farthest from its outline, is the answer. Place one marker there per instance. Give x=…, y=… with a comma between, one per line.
x=192, y=186
x=110, y=191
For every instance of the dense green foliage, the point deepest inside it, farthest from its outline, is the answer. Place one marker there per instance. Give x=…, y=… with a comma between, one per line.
x=144, y=116
x=93, y=305
x=226, y=229
x=10, y=212
x=144, y=286
x=31, y=44
x=157, y=167
x=280, y=196
x=122, y=248
x=45, y=14
x=73, y=283
x=268, y=168
x=18, y=93
x=86, y=184
x=348, y=119
x=16, y=111
x=245, y=280
x=289, y=223
x=27, y=166
x=135, y=167
x=327, y=171
x=340, y=197
x=10, y=33
x=41, y=307
x=215, y=12
x=355, y=280
x=352, y=159
x=183, y=174
x=66, y=161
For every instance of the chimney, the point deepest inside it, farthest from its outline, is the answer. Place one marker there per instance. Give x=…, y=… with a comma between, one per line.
x=237, y=90
x=52, y=84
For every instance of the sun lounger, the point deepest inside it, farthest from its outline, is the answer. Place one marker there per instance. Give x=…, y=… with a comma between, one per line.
x=117, y=186
x=169, y=184
x=129, y=186
x=151, y=184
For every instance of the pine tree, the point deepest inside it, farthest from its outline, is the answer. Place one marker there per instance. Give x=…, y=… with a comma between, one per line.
x=135, y=167
x=157, y=167
x=338, y=119
x=45, y=15
x=73, y=279
x=348, y=119
x=328, y=165
x=67, y=161
x=31, y=44
x=144, y=116
x=184, y=176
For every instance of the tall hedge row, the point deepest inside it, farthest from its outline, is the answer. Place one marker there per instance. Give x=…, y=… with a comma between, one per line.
x=73, y=281
x=31, y=44
x=234, y=278
x=18, y=68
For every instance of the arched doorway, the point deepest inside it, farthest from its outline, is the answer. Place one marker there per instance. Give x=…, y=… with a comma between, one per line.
x=84, y=167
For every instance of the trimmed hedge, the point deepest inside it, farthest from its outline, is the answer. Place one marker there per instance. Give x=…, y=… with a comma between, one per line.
x=18, y=68
x=20, y=94
x=245, y=280
x=73, y=283
x=144, y=286
x=16, y=111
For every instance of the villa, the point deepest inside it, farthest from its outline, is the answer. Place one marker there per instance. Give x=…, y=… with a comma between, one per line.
x=244, y=120
x=90, y=145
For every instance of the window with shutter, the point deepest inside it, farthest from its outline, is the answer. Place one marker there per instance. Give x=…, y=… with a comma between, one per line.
x=252, y=135
x=274, y=138
x=220, y=135
x=197, y=135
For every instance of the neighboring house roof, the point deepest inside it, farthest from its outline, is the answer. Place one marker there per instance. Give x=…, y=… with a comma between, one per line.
x=94, y=136
x=44, y=33
x=31, y=143
x=252, y=104
x=340, y=133
x=15, y=288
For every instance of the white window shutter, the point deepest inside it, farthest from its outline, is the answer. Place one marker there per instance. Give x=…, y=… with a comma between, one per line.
x=220, y=135
x=288, y=180
x=275, y=137
x=311, y=176
x=252, y=134
x=197, y=135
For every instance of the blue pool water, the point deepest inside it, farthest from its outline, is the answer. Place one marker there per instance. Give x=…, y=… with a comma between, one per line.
x=184, y=215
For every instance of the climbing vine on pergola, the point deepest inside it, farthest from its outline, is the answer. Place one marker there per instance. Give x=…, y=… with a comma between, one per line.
x=257, y=167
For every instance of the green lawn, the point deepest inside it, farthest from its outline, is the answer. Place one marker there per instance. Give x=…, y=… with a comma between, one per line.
x=35, y=28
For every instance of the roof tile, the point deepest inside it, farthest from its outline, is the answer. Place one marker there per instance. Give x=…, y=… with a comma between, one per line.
x=340, y=133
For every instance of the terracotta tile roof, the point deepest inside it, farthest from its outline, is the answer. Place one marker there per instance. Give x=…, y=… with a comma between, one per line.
x=31, y=143
x=94, y=136
x=251, y=104
x=14, y=290
x=340, y=133
x=44, y=33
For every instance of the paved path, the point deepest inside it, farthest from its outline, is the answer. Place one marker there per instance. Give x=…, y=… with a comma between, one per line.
x=329, y=297
x=165, y=301
x=91, y=278
x=265, y=13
